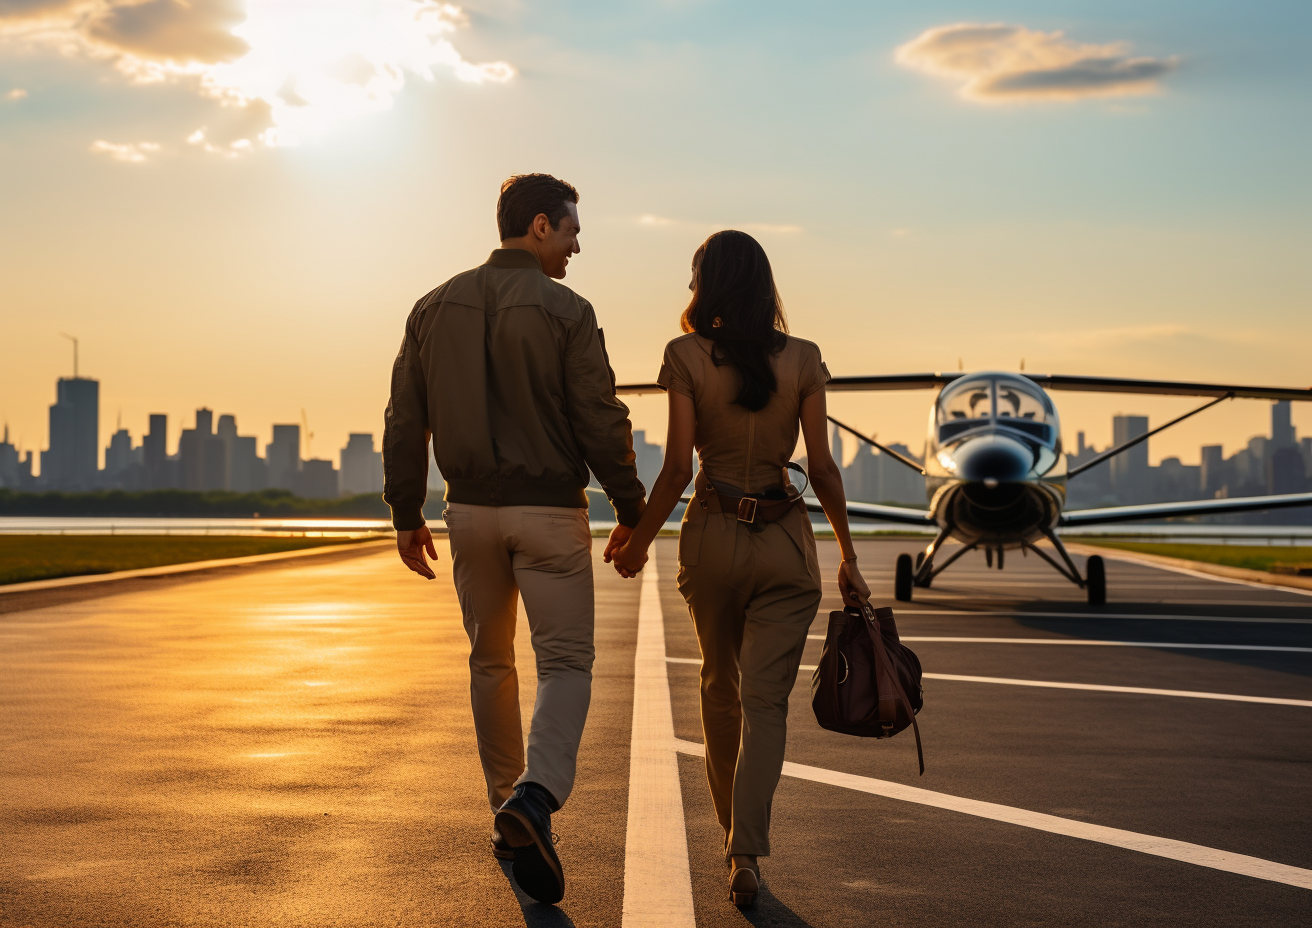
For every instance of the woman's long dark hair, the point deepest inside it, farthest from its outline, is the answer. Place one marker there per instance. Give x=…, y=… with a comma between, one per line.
x=735, y=305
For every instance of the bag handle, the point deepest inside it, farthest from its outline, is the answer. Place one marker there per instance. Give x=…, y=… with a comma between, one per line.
x=882, y=653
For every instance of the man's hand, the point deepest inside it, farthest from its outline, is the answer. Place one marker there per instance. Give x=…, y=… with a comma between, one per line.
x=629, y=561
x=412, y=545
x=619, y=536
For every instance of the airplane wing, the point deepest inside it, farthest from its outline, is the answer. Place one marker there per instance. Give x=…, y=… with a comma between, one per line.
x=637, y=389
x=1067, y=382
x=1165, y=387
x=1201, y=507
x=901, y=514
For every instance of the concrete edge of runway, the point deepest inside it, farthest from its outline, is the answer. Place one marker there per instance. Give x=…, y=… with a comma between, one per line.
x=166, y=570
x=1289, y=584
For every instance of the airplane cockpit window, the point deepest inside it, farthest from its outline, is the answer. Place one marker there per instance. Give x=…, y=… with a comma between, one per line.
x=964, y=406
x=1023, y=409
x=1001, y=401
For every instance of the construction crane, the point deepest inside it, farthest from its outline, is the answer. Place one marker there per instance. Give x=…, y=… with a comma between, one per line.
x=309, y=436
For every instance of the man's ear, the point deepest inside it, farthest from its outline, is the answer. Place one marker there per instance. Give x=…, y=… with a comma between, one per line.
x=541, y=226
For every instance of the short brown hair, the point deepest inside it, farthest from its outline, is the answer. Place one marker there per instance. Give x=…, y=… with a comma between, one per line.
x=524, y=196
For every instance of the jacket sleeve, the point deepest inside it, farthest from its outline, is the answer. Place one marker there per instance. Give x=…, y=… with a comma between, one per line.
x=406, y=436
x=600, y=421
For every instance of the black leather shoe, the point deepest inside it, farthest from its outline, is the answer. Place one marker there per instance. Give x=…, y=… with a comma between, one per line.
x=501, y=848
x=525, y=824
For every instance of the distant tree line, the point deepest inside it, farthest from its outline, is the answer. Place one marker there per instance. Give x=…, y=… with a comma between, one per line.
x=198, y=504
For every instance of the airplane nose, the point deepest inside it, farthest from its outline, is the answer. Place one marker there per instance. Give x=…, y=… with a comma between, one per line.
x=993, y=459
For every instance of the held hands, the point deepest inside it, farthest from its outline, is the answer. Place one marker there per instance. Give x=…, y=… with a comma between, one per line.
x=618, y=551
x=851, y=584
x=411, y=546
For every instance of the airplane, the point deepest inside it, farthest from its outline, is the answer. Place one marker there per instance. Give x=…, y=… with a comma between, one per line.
x=995, y=473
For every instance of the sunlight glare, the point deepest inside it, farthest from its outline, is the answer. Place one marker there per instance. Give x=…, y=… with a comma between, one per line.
x=314, y=63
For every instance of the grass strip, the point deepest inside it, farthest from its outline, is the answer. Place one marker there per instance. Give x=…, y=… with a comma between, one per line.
x=25, y=558
x=1249, y=557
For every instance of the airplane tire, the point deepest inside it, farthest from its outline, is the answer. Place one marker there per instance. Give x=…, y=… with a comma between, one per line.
x=1096, y=581
x=902, y=579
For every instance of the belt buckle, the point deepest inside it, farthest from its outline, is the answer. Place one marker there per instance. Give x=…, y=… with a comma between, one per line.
x=747, y=510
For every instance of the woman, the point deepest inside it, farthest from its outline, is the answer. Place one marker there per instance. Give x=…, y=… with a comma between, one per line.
x=739, y=387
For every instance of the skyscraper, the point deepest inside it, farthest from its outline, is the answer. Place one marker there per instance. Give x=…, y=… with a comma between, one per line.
x=1130, y=468
x=1212, y=475
x=362, y=466
x=73, y=459
x=1282, y=426
x=9, y=479
x=155, y=454
x=192, y=450
x=283, y=456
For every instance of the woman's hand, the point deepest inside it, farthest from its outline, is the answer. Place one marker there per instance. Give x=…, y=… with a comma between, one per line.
x=851, y=584
x=629, y=560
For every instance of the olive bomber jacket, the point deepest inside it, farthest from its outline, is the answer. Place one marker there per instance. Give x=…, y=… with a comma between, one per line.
x=506, y=370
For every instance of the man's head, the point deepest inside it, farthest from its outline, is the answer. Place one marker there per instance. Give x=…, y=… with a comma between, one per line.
x=538, y=213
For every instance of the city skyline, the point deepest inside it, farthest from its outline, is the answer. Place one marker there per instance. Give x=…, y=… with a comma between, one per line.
x=213, y=455
x=1184, y=442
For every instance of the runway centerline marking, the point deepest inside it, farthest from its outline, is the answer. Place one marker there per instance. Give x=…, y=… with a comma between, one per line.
x=1094, y=687
x=1096, y=643
x=657, y=878
x=1182, y=851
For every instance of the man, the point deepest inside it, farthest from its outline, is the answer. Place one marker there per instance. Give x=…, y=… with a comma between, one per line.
x=507, y=371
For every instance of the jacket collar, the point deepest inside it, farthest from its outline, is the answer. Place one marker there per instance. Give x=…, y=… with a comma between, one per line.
x=513, y=257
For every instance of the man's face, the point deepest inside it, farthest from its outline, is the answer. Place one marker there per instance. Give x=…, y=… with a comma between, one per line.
x=559, y=243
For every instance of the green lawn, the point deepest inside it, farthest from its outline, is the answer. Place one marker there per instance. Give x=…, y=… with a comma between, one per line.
x=44, y=557
x=1250, y=557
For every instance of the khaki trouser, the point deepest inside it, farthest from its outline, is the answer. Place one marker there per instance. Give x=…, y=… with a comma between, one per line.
x=543, y=553
x=752, y=595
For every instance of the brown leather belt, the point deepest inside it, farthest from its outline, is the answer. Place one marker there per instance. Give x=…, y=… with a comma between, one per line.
x=749, y=509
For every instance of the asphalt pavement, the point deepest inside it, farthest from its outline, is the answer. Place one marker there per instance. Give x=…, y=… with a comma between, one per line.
x=292, y=745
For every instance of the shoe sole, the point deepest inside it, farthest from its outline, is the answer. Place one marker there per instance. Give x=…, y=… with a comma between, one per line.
x=536, y=868
x=499, y=854
x=742, y=891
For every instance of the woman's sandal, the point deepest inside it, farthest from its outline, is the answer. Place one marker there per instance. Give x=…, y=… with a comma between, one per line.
x=744, y=880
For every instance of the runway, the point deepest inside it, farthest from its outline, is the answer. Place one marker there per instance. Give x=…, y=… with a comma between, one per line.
x=293, y=746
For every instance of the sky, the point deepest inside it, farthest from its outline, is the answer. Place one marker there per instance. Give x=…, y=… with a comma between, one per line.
x=235, y=203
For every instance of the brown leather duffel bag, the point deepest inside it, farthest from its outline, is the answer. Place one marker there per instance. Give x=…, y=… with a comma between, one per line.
x=867, y=682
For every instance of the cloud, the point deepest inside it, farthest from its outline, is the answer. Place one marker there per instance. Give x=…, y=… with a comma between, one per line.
x=129, y=152
x=172, y=30
x=281, y=70
x=18, y=93
x=998, y=62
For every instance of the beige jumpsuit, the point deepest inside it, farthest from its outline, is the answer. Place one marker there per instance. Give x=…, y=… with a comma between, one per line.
x=752, y=591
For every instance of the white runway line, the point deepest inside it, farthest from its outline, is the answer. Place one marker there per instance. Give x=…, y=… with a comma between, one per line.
x=1094, y=687
x=1012, y=614
x=1141, y=690
x=657, y=880
x=1096, y=643
x=1113, y=554
x=1182, y=851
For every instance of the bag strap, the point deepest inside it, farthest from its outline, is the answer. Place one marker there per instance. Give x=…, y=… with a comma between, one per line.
x=882, y=653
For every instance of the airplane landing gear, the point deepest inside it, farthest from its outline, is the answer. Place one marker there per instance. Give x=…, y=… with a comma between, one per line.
x=902, y=578
x=1096, y=581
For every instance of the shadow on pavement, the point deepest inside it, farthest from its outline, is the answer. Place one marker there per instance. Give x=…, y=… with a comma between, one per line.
x=536, y=914
x=770, y=912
